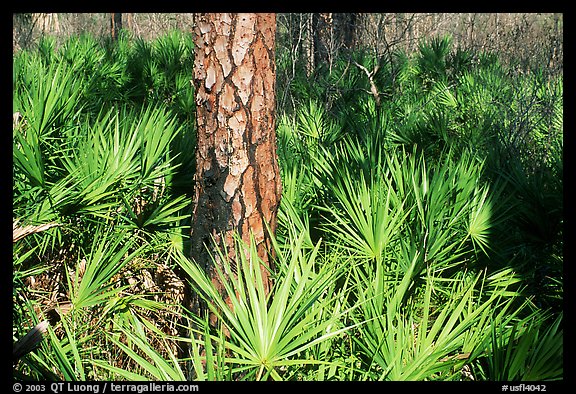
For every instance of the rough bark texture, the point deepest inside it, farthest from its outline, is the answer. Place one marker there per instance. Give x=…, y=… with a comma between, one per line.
x=237, y=180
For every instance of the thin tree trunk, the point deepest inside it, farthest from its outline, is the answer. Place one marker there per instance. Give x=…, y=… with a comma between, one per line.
x=345, y=31
x=130, y=21
x=115, y=24
x=47, y=23
x=323, y=28
x=237, y=180
x=309, y=45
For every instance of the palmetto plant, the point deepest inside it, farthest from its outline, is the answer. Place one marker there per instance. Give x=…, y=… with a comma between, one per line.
x=408, y=335
x=101, y=184
x=88, y=289
x=443, y=210
x=270, y=332
x=432, y=59
x=419, y=238
x=426, y=209
x=530, y=350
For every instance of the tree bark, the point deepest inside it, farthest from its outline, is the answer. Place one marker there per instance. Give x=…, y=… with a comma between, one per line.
x=115, y=24
x=47, y=22
x=323, y=38
x=237, y=180
x=345, y=26
x=309, y=45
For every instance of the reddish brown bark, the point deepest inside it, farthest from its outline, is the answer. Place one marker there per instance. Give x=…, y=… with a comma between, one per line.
x=237, y=180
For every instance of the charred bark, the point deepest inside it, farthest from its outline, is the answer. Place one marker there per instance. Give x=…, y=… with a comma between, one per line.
x=115, y=25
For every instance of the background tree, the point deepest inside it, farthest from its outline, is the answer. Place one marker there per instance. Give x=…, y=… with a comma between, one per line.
x=115, y=24
x=237, y=180
x=323, y=38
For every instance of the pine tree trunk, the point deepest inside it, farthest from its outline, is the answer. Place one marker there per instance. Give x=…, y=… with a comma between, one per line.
x=237, y=180
x=115, y=24
x=347, y=26
x=309, y=45
x=47, y=22
x=323, y=43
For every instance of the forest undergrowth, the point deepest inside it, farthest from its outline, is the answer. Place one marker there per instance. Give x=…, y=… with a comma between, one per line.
x=420, y=232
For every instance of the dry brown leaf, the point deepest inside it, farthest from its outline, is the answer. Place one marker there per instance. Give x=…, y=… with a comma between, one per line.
x=20, y=232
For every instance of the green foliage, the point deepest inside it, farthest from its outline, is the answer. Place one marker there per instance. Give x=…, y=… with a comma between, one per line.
x=432, y=60
x=101, y=169
x=419, y=236
x=531, y=350
x=419, y=338
x=444, y=177
x=268, y=332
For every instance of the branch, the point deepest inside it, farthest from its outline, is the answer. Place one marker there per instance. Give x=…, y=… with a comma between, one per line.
x=373, y=88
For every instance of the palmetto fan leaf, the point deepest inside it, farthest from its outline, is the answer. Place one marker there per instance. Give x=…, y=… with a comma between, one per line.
x=42, y=105
x=117, y=156
x=99, y=163
x=28, y=158
x=481, y=219
x=528, y=350
x=370, y=215
x=106, y=257
x=432, y=58
x=147, y=357
x=270, y=331
x=406, y=336
x=156, y=129
x=50, y=97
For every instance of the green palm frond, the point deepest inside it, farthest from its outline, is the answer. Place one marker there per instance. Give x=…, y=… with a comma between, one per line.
x=106, y=257
x=153, y=364
x=432, y=59
x=530, y=350
x=407, y=337
x=372, y=215
x=271, y=331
